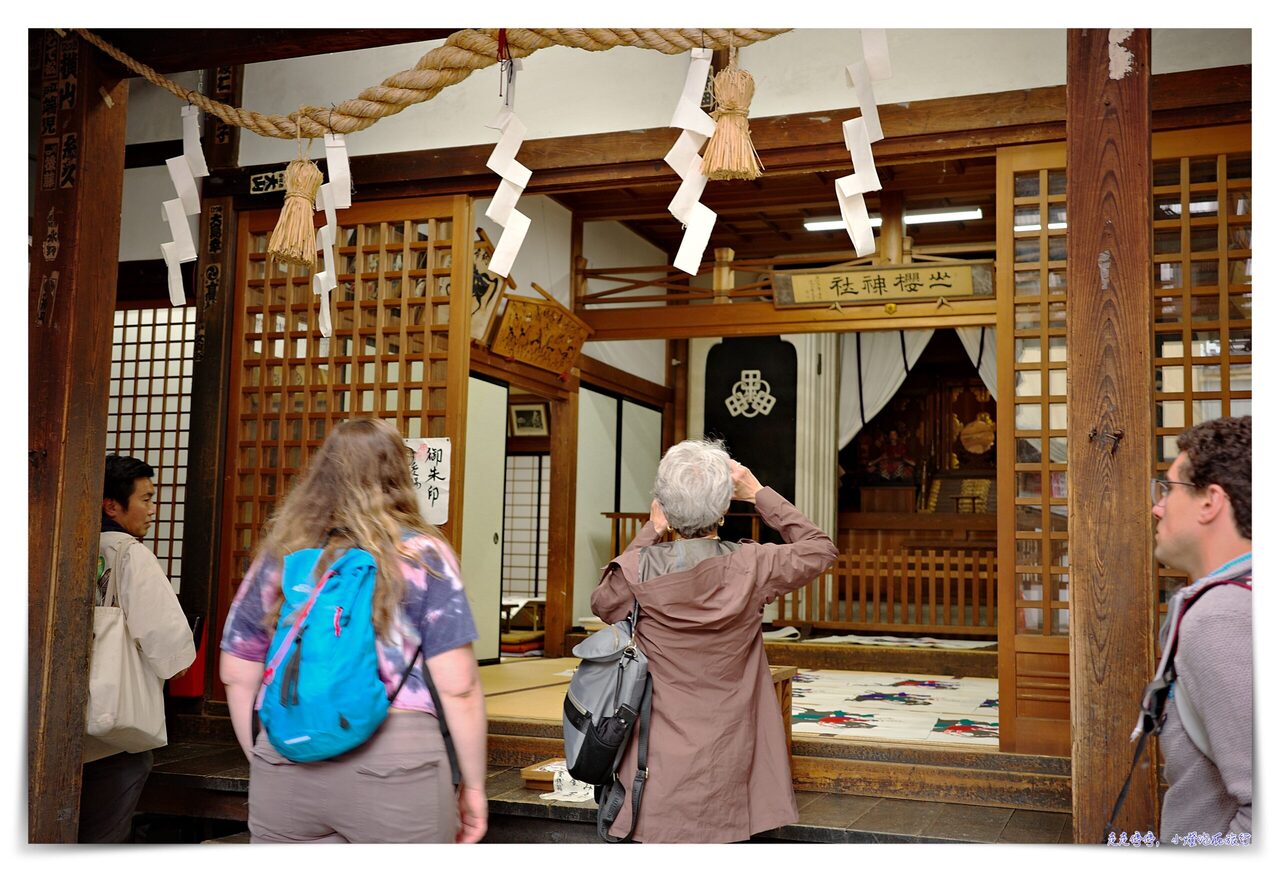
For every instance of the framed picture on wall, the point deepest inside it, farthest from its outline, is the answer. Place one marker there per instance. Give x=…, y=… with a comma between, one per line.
x=529, y=419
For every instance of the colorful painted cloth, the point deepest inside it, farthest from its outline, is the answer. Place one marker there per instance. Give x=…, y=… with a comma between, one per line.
x=434, y=610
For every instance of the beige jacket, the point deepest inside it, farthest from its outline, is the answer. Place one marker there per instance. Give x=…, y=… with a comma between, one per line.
x=719, y=770
x=151, y=612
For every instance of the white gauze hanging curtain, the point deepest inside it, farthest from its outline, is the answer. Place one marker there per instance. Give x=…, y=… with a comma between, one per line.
x=873, y=366
x=980, y=342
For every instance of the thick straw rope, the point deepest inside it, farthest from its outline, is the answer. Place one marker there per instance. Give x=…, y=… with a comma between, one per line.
x=462, y=53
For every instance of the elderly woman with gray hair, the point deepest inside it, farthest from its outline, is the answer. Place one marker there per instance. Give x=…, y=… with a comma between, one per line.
x=719, y=767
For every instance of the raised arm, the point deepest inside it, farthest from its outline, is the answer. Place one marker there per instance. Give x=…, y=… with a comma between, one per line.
x=808, y=552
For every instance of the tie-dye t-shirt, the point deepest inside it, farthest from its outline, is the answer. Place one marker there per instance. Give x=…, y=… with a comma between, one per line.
x=434, y=610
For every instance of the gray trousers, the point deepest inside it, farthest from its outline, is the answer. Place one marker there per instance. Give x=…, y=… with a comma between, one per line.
x=394, y=788
x=109, y=793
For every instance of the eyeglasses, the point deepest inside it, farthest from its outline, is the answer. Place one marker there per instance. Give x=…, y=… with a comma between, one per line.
x=1160, y=489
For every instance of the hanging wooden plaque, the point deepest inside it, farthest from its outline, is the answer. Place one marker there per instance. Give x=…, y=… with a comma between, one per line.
x=541, y=333
x=881, y=284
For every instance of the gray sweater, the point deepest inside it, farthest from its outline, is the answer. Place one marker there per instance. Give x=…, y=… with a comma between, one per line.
x=1214, y=662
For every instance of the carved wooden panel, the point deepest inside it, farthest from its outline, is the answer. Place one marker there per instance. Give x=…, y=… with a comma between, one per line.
x=542, y=333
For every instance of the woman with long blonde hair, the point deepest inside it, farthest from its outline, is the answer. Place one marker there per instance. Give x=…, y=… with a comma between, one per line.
x=396, y=787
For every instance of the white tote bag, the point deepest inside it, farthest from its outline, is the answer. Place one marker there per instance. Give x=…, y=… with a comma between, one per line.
x=126, y=698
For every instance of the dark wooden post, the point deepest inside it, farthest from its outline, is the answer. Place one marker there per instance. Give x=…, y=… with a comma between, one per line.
x=1109, y=393
x=561, y=512
x=213, y=291
x=72, y=293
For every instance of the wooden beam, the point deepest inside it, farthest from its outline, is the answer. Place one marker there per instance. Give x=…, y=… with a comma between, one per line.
x=561, y=511
x=72, y=290
x=145, y=283
x=762, y=319
x=1109, y=371
x=520, y=375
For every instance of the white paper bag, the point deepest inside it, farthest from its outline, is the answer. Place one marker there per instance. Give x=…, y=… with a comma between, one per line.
x=126, y=698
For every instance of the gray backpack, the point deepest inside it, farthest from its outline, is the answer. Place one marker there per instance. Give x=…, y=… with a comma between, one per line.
x=609, y=693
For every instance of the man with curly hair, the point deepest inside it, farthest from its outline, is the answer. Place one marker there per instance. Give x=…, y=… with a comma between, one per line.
x=1203, y=512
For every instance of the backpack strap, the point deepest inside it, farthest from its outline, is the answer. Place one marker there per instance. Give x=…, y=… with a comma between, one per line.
x=608, y=810
x=268, y=675
x=1156, y=695
x=454, y=771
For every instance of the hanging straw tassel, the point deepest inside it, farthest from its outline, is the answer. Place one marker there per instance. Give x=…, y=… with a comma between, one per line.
x=294, y=239
x=730, y=154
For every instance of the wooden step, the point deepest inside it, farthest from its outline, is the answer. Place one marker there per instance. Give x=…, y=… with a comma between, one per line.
x=881, y=769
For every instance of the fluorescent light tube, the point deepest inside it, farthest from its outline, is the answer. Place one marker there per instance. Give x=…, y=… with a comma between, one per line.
x=924, y=216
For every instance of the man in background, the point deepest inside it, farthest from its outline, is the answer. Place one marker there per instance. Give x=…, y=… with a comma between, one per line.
x=1203, y=511
x=113, y=779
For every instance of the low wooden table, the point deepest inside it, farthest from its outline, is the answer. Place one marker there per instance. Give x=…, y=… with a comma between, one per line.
x=782, y=676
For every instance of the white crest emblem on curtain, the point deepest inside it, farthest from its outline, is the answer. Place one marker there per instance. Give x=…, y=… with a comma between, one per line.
x=750, y=396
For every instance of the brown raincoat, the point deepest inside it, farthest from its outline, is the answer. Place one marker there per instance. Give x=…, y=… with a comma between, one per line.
x=718, y=763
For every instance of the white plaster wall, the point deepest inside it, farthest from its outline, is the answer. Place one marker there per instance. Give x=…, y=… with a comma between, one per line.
x=564, y=91
x=1174, y=51
x=155, y=115
x=481, y=556
x=609, y=244
x=597, y=440
x=544, y=254
x=142, y=230
x=560, y=92
x=641, y=451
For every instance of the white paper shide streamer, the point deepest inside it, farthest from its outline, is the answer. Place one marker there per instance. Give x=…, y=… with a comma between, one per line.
x=696, y=128
x=183, y=172
x=859, y=133
x=515, y=176
x=332, y=196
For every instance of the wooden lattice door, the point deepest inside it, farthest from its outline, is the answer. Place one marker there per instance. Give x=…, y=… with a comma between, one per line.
x=399, y=351
x=1202, y=308
x=1201, y=348
x=1031, y=269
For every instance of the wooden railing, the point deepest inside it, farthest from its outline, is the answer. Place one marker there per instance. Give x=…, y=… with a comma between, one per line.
x=668, y=284
x=921, y=591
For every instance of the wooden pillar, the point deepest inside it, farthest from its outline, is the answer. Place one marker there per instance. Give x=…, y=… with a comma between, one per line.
x=722, y=275
x=222, y=140
x=1109, y=373
x=675, y=413
x=214, y=294
x=891, y=227
x=72, y=292
x=560, y=519
x=577, y=265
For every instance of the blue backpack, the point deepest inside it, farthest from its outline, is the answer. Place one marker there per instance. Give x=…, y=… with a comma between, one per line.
x=321, y=692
